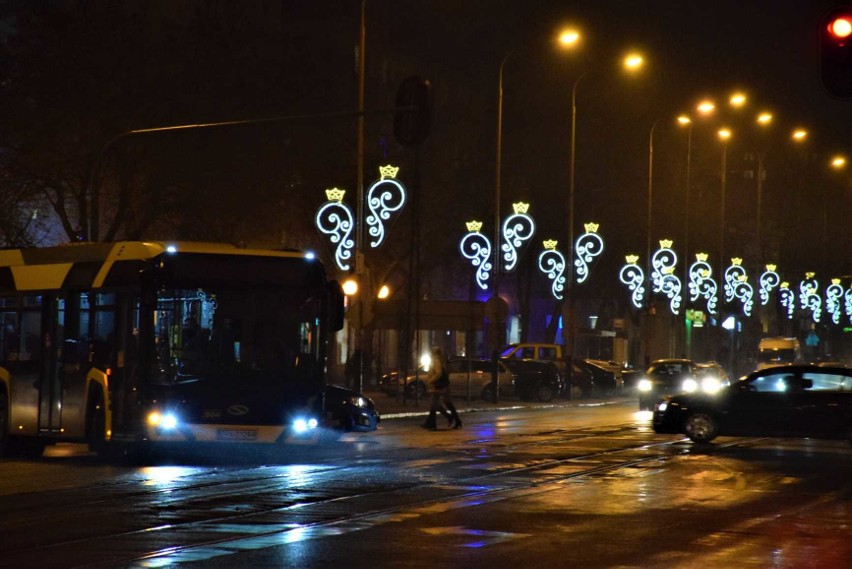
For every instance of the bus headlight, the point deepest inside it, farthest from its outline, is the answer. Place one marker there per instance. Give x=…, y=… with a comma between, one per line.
x=689, y=385
x=303, y=425
x=165, y=420
x=644, y=385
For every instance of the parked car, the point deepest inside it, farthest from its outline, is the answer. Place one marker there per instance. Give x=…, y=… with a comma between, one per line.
x=665, y=377
x=534, y=379
x=349, y=410
x=465, y=373
x=790, y=401
x=535, y=351
x=604, y=380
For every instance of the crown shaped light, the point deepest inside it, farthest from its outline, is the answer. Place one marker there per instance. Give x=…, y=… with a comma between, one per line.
x=668, y=270
x=742, y=278
x=736, y=261
x=631, y=259
x=550, y=244
x=520, y=207
x=835, y=281
x=704, y=273
x=809, y=275
x=591, y=227
x=335, y=194
x=473, y=225
x=785, y=284
x=701, y=257
x=388, y=171
x=666, y=243
x=771, y=267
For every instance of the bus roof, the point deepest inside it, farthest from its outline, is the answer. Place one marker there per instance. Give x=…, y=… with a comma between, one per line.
x=87, y=265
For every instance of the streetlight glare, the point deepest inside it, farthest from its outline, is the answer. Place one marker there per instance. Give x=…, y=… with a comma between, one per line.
x=738, y=100
x=706, y=107
x=350, y=287
x=633, y=61
x=384, y=292
x=800, y=134
x=838, y=162
x=684, y=120
x=764, y=118
x=724, y=133
x=569, y=37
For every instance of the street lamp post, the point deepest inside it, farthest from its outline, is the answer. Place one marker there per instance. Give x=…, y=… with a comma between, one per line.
x=724, y=136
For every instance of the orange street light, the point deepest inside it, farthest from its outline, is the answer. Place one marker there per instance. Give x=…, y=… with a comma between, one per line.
x=799, y=135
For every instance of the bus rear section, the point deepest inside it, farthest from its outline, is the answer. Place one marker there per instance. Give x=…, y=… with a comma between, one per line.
x=779, y=351
x=159, y=345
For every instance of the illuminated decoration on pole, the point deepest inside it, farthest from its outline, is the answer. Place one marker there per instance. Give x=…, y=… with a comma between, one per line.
x=787, y=298
x=745, y=293
x=833, y=295
x=769, y=280
x=805, y=287
x=588, y=246
x=701, y=284
x=476, y=247
x=517, y=229
x=848, y=297
x=633, y=276
x=335, y=219
x=552, y=263
x=664, y=281
x=384, y=197
x=732, y=276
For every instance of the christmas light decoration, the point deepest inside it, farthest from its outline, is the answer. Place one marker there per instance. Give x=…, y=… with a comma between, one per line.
x=701, y=283
x=385, y=196
x=664, y=281
x=787, y=298
x=833, y=294
x=335, y=219
x=588, y=247
x=732, y=275
x=552, y=264
x=517, y=230
x=633, y=276
x=769, y=280
x=476, y=247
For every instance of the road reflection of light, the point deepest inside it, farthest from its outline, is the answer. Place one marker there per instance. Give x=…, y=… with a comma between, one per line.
x=643, y=416
x=163, y=475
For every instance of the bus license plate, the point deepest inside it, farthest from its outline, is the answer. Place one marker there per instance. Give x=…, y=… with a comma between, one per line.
x=236, y=435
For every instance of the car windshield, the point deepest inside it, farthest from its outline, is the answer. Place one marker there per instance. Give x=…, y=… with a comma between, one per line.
x=777, y=356
x=669, y=369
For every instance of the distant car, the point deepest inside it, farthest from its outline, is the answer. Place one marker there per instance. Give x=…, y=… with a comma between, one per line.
x=534, y=379
x=665, y=377
x=790, y=401
x=711, y=377
x=535, y=351
x=604, y=379
x=349, y=410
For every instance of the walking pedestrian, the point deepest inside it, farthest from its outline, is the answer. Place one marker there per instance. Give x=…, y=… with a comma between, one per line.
x=438, y=381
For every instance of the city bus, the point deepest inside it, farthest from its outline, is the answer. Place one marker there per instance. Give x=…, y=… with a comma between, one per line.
x=145, y=345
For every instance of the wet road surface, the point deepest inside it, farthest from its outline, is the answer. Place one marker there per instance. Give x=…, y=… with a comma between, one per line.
x=588, y=486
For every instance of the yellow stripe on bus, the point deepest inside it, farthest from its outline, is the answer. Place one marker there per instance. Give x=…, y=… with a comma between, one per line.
x=39, y=277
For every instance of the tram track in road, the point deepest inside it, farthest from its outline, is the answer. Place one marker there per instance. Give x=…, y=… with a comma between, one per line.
x=337, y=506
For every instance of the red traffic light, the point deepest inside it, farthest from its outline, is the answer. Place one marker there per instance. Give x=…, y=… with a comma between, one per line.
x=840, y=27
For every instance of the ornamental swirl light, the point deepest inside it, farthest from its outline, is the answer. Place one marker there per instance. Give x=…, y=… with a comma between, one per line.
x=805, y=285
x=769, y=280
x=634, y=277
x=833, y=294
x=664, y=262
x=517, y=230
x=787, y=298
x=701, y=283
x=814, y=303
x=476, y=247
x=848, y=298
x=589, y=245
x=385, y=196
x=552, y=264
x=334, y=218
x=745, y=293
x=732, y=275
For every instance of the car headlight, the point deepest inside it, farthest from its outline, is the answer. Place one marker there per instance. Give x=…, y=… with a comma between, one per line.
x=359, y=401
x=711, y=385
x=644, y=385
x=662, y=406
x=689, y=385
x=163, y=420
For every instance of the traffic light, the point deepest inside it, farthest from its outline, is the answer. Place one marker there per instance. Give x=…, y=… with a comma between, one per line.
x=836, y=53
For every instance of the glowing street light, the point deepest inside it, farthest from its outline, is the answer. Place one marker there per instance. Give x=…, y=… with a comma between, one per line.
x=569, y=37
x=706, y=107
x=384, y=292
x=838, y=162
x=633, y=61
x=738, y=100
x=799, y=135
x=350, y=287
x=764, y=118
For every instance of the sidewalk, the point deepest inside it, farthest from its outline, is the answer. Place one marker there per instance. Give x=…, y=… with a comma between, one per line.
x=392, y=407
